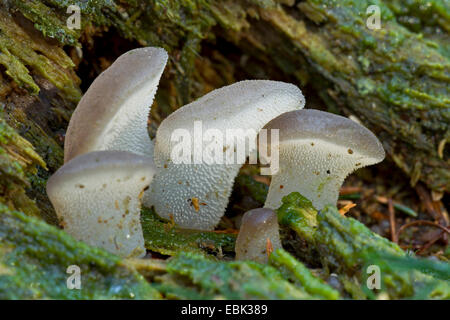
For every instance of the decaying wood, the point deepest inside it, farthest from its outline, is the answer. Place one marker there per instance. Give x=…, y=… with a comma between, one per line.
x=394, y=80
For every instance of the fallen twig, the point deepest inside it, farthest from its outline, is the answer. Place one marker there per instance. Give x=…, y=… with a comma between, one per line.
x=420, y=222
x=391, y=210
x=430, y=243
x=346, y=208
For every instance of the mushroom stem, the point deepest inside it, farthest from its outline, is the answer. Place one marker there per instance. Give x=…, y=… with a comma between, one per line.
x=97, y=198
x=309, y=179
x=259, y=232
x=195, y=191
x=317, y=151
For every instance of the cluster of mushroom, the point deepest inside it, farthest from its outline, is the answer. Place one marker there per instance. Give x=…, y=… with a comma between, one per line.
x=110, y=160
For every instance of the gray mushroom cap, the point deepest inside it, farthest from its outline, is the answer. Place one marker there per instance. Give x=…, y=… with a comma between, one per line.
x=97, y=198
x=317, y=151
x=113, y=113
x=310, y=124
x=257, y=227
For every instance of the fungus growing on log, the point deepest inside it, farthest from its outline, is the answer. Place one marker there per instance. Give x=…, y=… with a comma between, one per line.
x=243, y=109
x=113, y=113
x=317, y=151
x=259, y=231
x=97, y=198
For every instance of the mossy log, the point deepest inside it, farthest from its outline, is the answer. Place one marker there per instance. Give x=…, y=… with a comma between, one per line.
x=347, y=247
x=395, y=80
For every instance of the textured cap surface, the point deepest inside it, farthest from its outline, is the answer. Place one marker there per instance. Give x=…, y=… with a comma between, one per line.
x=97, y=198
x=113, y=113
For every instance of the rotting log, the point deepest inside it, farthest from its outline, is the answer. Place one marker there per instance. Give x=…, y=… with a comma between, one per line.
x=395, y=79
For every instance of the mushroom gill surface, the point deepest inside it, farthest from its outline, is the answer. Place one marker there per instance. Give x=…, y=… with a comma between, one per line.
x=317, y=151
x=113, y=113
x=259, y=230
x=195, y=193
x=97, y=199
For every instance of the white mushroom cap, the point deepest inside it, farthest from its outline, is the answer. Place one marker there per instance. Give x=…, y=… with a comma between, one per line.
x=113, y=113
x=196, y=195
x=317, y=151
x=97, y=197
x=258, y=227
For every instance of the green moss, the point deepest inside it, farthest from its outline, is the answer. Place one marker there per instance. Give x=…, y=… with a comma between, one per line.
x=430, y=17
x=295, y=271
x=180, y=24
x=400, y=74
x=167, y=239
x=346, y=239
x=395, y=53
x=34, y=257
x=23, y=54
x=246, y=185
x=298, y=213
x=408, y=277
x=15, y=69
x=232, y=280
x=395, y=80
x=17, y=161
x=52, y=23
x=348, y=247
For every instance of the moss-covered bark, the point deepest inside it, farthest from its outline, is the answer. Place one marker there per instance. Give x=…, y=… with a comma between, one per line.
x=165, y=238
x=34, y=258
x=395, y=80
x=347, y=247
x=18, y=161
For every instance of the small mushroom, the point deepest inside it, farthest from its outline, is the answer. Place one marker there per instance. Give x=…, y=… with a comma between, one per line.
x=195, y=193
x=113, y=113
x=317, y=150
x=259, y=232
x=97, y=198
